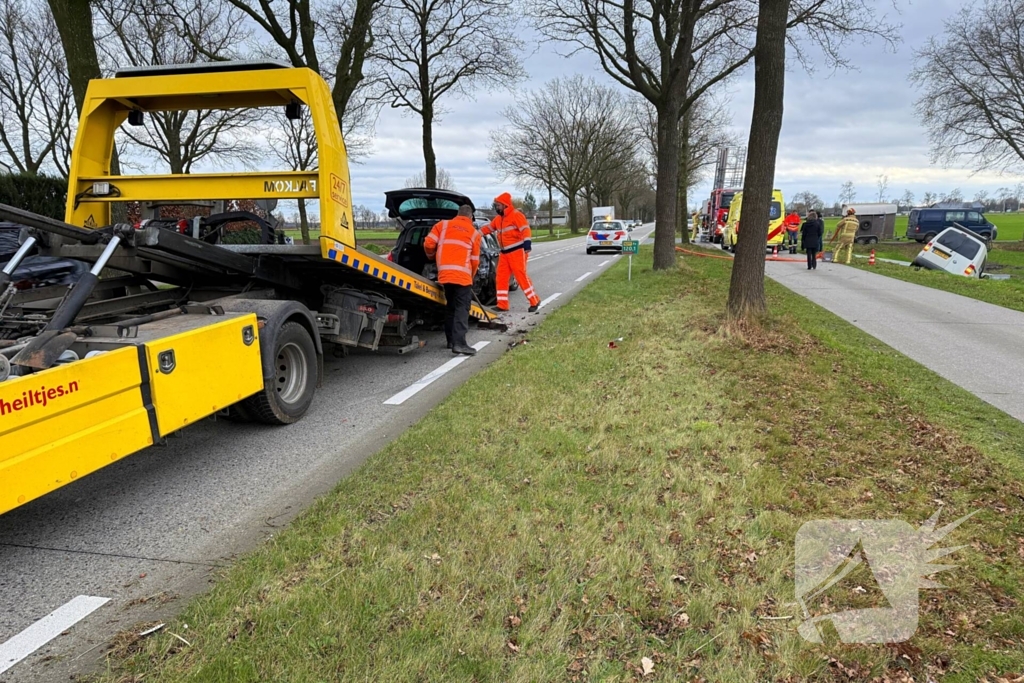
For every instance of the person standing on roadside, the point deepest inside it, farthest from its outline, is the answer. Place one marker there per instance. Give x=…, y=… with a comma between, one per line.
x=792, y=223
x=455, y=245
x=810, y=238
x=513, y=233
x=845, y=232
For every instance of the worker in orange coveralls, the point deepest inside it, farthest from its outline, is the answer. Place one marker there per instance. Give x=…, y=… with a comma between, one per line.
x=514, y=239
x=455, y=245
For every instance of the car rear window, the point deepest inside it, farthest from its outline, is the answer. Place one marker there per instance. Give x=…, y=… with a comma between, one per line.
x=607, y=226
x=418, y=204
x=960, y=243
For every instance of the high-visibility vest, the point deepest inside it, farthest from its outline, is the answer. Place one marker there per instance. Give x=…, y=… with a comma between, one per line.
x=455, y=245
x=512, y=228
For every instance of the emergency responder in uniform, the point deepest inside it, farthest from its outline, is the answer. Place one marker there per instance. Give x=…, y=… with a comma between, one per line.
x=455, y=245
x=846, y=231
x=792, y=223
x=514, y=239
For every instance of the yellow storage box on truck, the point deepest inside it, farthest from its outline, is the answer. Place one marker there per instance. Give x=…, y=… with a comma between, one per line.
x=170, y=324
x=776, y=222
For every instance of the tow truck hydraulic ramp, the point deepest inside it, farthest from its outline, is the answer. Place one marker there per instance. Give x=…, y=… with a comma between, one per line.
x=171, y=324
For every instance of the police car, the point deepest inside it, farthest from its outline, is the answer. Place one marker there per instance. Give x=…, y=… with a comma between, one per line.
x=607, y=236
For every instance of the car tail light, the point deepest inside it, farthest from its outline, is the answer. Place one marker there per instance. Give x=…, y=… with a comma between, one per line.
x=390, y=258
x=927, y=247
x=593, y=235
x=969, y=270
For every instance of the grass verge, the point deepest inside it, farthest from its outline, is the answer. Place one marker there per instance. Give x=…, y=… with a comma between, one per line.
x=579, y=512
x=1011, y=225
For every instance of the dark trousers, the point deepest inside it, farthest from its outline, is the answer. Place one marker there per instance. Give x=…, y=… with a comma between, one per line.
x=812, y=258
x=456, y=315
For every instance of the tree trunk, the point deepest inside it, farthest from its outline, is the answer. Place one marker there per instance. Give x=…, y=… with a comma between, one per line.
x=551, y=211
x=668, y=186
x=682, y=210
x=304, y=221
x=74, y=24
x=352, y=53
x=746, y=290
x=572, y=213
x=590, y=211
x=429, y=160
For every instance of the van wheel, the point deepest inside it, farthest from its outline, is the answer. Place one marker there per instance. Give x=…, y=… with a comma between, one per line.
x=286, y=398
x=929, y=237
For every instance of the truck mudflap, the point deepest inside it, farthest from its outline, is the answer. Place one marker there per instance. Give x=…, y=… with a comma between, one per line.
x=68, y=421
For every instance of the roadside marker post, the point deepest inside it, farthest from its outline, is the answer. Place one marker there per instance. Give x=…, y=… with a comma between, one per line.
x=630, y=247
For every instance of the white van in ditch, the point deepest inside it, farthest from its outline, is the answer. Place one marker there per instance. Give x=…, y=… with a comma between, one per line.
x=954, y=250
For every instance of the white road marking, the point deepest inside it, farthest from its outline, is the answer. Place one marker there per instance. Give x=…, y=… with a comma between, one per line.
x=604, y=263
x=46, y=629
x=583, y=277
x=549, y=299
x=416, y=387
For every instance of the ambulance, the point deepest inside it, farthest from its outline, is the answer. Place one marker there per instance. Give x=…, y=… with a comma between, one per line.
x=776, y=224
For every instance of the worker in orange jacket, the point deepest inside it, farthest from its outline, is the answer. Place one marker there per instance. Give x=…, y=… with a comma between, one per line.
x=514, y=239
x=455, y=246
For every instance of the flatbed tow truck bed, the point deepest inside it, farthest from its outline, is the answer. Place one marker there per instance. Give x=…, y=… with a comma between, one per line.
x=171, y=325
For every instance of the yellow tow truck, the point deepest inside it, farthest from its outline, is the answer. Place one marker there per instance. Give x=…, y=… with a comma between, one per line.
x=172, y=324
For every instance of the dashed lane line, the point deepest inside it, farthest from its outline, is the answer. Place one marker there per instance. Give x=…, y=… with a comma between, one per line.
x=46, y=629
x=549, y=299
x=418, y=386
x=583, y=277
x=604, y=263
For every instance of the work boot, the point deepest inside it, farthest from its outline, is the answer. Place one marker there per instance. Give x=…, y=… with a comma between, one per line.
x=464, y=350
x=449, y=345
x=534, y=308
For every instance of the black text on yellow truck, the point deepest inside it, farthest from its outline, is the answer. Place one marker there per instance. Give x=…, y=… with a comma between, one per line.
x=182, y=326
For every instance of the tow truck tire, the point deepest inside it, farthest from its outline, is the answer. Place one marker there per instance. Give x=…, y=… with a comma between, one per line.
x=286, y=399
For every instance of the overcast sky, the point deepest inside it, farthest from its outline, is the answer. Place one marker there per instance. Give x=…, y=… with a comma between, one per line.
x=847, y=125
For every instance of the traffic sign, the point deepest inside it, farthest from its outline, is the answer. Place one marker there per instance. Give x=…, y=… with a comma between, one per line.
x=630, y=247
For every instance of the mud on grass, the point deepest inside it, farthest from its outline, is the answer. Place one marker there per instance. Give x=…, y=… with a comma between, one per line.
x=579, y=513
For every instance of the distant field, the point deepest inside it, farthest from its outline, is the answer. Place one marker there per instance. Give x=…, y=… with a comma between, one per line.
x=1011, y=225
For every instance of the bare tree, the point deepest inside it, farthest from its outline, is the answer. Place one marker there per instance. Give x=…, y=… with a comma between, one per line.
x=431, y=49
x=847, y=193
x=672, y=52
x=972, y=84
x=293, y=143
x=148, y=32
x=907, y=200
x=563, y=132
x=37, y=108
x=882, y=183
x=929, y=198
x=805, y=201
x=332, y=38
x=954, y=196
x=443, y=180
x=746, y=288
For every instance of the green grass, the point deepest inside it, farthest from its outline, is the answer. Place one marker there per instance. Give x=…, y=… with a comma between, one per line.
x=630, y=503
x=1011, y=225
x=1003, y=259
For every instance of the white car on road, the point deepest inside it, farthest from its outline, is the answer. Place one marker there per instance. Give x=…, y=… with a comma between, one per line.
x=954, y=250
x=607, y=235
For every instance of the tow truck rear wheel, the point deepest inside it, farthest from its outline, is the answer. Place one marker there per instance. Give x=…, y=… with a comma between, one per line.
x=287, y=397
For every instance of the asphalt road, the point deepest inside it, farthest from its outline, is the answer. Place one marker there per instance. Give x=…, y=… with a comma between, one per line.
x=151, y=527
x=976, y=345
